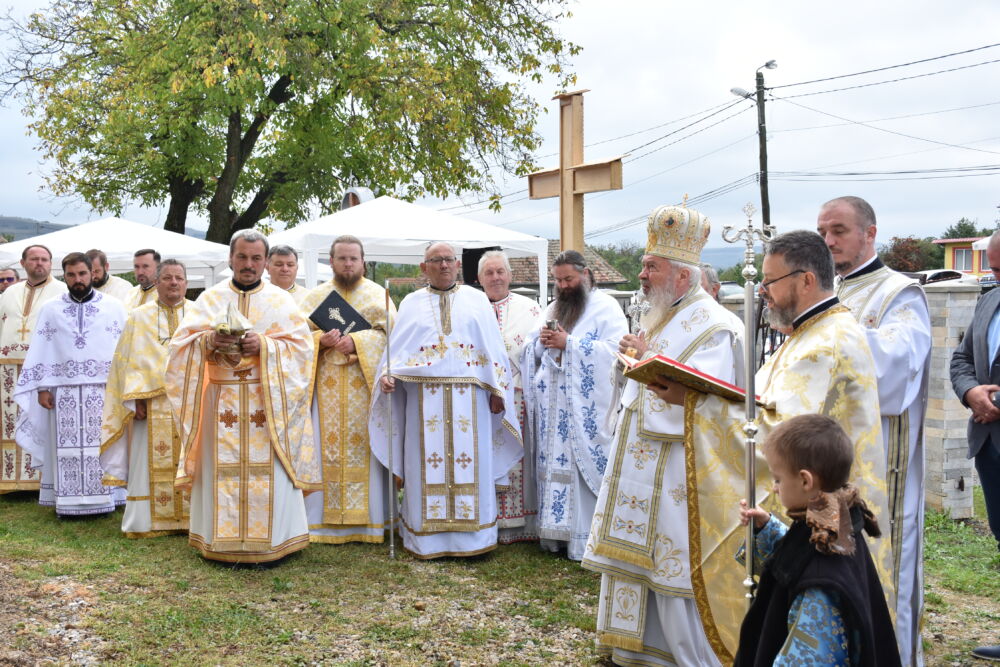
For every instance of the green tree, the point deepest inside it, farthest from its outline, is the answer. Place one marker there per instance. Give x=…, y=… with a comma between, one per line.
x=626, y=258
x=735, y=272
x=908, y=253
x=965, y=229
x=253, y=108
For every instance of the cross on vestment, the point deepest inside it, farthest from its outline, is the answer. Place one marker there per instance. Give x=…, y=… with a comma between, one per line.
x=572, y=178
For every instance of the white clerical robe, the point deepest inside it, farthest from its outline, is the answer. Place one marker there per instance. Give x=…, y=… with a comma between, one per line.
x=19, y=308
x=116, y=287
x=70, y=356
x=143, y=455
x=892, y=310
x=447, y=359
x=352, y=505
x=298, y=293
x=567, y=401
x=639, y=537
x=823, y=367
x=139, y=295
x=247, y=447
x=517, y=502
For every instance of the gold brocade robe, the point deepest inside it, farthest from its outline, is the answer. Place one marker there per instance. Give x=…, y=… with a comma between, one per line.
x=342, y=392
x=153, y=505
x=137, y=296
x=823, y=367
x=19, y=306
x=242, y=420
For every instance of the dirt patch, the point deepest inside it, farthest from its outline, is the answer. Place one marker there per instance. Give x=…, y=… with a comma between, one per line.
x=46, y=621
x=956, y=625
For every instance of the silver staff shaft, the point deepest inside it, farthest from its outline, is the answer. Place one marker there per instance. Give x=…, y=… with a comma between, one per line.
x=749, y=236
x=392, y=444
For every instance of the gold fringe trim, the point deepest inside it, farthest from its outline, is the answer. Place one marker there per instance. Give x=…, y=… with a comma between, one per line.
x=344, y=539
x=453, y=554
x=108, y=480
x=614, y=640
x=625, y=555
x=154, y=533
x=291, y=546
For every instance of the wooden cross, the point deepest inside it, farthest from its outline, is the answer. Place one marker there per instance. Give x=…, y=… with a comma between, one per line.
x=573, y=178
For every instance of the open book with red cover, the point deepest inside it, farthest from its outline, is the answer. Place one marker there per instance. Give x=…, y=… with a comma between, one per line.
x=645, y=371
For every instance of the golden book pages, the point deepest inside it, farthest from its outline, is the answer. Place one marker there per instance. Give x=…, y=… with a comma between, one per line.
x=647, y=370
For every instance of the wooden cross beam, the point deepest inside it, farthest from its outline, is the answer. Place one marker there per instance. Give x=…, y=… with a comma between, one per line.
x=573, y=178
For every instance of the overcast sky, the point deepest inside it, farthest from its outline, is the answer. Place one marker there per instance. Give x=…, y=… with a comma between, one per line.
x=650, y=63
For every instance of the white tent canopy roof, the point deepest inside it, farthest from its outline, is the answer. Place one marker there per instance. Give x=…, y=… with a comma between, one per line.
x=398, y=232
x=119, y=239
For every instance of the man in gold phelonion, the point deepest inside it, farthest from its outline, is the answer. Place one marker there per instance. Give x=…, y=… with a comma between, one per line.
x=825, y=367
x=144, y=264
x=241, y=404
x=140, y=447
x=351, y=507
x=639, y=536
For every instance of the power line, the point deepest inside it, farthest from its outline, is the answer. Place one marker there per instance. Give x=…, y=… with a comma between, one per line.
x=692, y=124
x=688, y=136
x=902, y=78
x=877, y=120
x=882, y=129
x=895, y=155
x=883, y=69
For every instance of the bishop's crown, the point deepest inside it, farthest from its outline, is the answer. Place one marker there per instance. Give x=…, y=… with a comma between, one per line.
x=678, y=233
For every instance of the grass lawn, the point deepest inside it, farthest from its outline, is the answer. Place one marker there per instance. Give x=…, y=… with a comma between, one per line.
x=78, y=592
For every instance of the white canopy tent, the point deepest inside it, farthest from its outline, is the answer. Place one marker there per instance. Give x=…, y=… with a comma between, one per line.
x=398, y=232
x=119, y=239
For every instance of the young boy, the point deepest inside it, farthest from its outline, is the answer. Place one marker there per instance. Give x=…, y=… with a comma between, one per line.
x=819, y=600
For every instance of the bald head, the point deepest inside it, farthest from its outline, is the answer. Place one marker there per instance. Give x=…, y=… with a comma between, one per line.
x=440, y=265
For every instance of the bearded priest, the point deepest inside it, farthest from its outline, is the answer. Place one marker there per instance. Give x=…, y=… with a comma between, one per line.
x=564, y=365
x=454, y=436
x=824, y=367
x=641, y=546
x=61, y=393
x=239, y=381
x=351, y=507
x=140, y=447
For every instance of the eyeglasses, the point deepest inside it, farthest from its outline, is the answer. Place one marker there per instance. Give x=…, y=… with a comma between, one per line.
x=765, y=286
x=442, y=260
x=8, y=279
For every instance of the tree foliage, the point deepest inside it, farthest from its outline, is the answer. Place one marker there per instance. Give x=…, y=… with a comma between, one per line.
x=735, y=272
x=909, y=253
x=252, y=108
x=966, y=229
x=626, y=258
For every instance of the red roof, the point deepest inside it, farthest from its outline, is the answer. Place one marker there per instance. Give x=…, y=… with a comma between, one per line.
x=525, y=269
x=971, y=239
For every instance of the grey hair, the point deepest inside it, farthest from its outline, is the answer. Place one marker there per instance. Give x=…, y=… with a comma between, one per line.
x=804, y=250
x=434, y=243
x=493, y=254
x=695, y=278
x=710, y=274
x=283, y=250
x=862, y=210
x=171, y=262
x=250, y=236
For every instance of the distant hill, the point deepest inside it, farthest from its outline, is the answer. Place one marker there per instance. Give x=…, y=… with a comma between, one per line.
x=724, y=257
x=22, y=228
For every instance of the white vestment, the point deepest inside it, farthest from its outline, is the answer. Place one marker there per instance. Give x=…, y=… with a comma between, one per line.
x=447, y=360
x=70, y=355
x=567, y=399
x=892, y=309
x=19, y=308
x=116, y=287
x=517, y=504
x=138, y=296
x=640, y=528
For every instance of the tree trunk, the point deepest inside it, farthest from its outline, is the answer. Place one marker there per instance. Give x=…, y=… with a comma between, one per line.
x=182, y=195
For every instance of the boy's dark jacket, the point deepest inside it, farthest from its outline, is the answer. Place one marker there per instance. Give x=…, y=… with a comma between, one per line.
x=796, y=566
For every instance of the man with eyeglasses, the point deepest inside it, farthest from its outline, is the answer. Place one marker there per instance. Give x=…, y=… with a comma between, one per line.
x=7, y=278
x=892, y=309
x=825, y=367
x=19, y=306
x=455, y=435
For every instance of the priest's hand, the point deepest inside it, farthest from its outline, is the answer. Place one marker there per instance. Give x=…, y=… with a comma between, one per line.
x=226, y=341
x=140, y=409
x=345, y=345
x=668, y=390
x=330, y=338
x=250, y=344
x=46, y=399
x=496, y=404
x=983, y=410
x=633, y=345
x=388, y=384
x=554, y=339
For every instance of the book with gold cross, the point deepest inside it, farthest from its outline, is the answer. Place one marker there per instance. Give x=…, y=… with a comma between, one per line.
x=335, y=313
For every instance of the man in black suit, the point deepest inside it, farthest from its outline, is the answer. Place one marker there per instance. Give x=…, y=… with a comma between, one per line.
x=975, y=376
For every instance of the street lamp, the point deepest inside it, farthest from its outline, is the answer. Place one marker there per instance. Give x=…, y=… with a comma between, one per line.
x=765, y=204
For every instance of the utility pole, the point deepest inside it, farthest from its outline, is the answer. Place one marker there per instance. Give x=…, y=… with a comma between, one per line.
x=765, y=203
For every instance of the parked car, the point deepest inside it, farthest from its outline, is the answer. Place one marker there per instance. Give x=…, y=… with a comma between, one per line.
x=730, y=288
x=987, y=282
x=942, y=275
